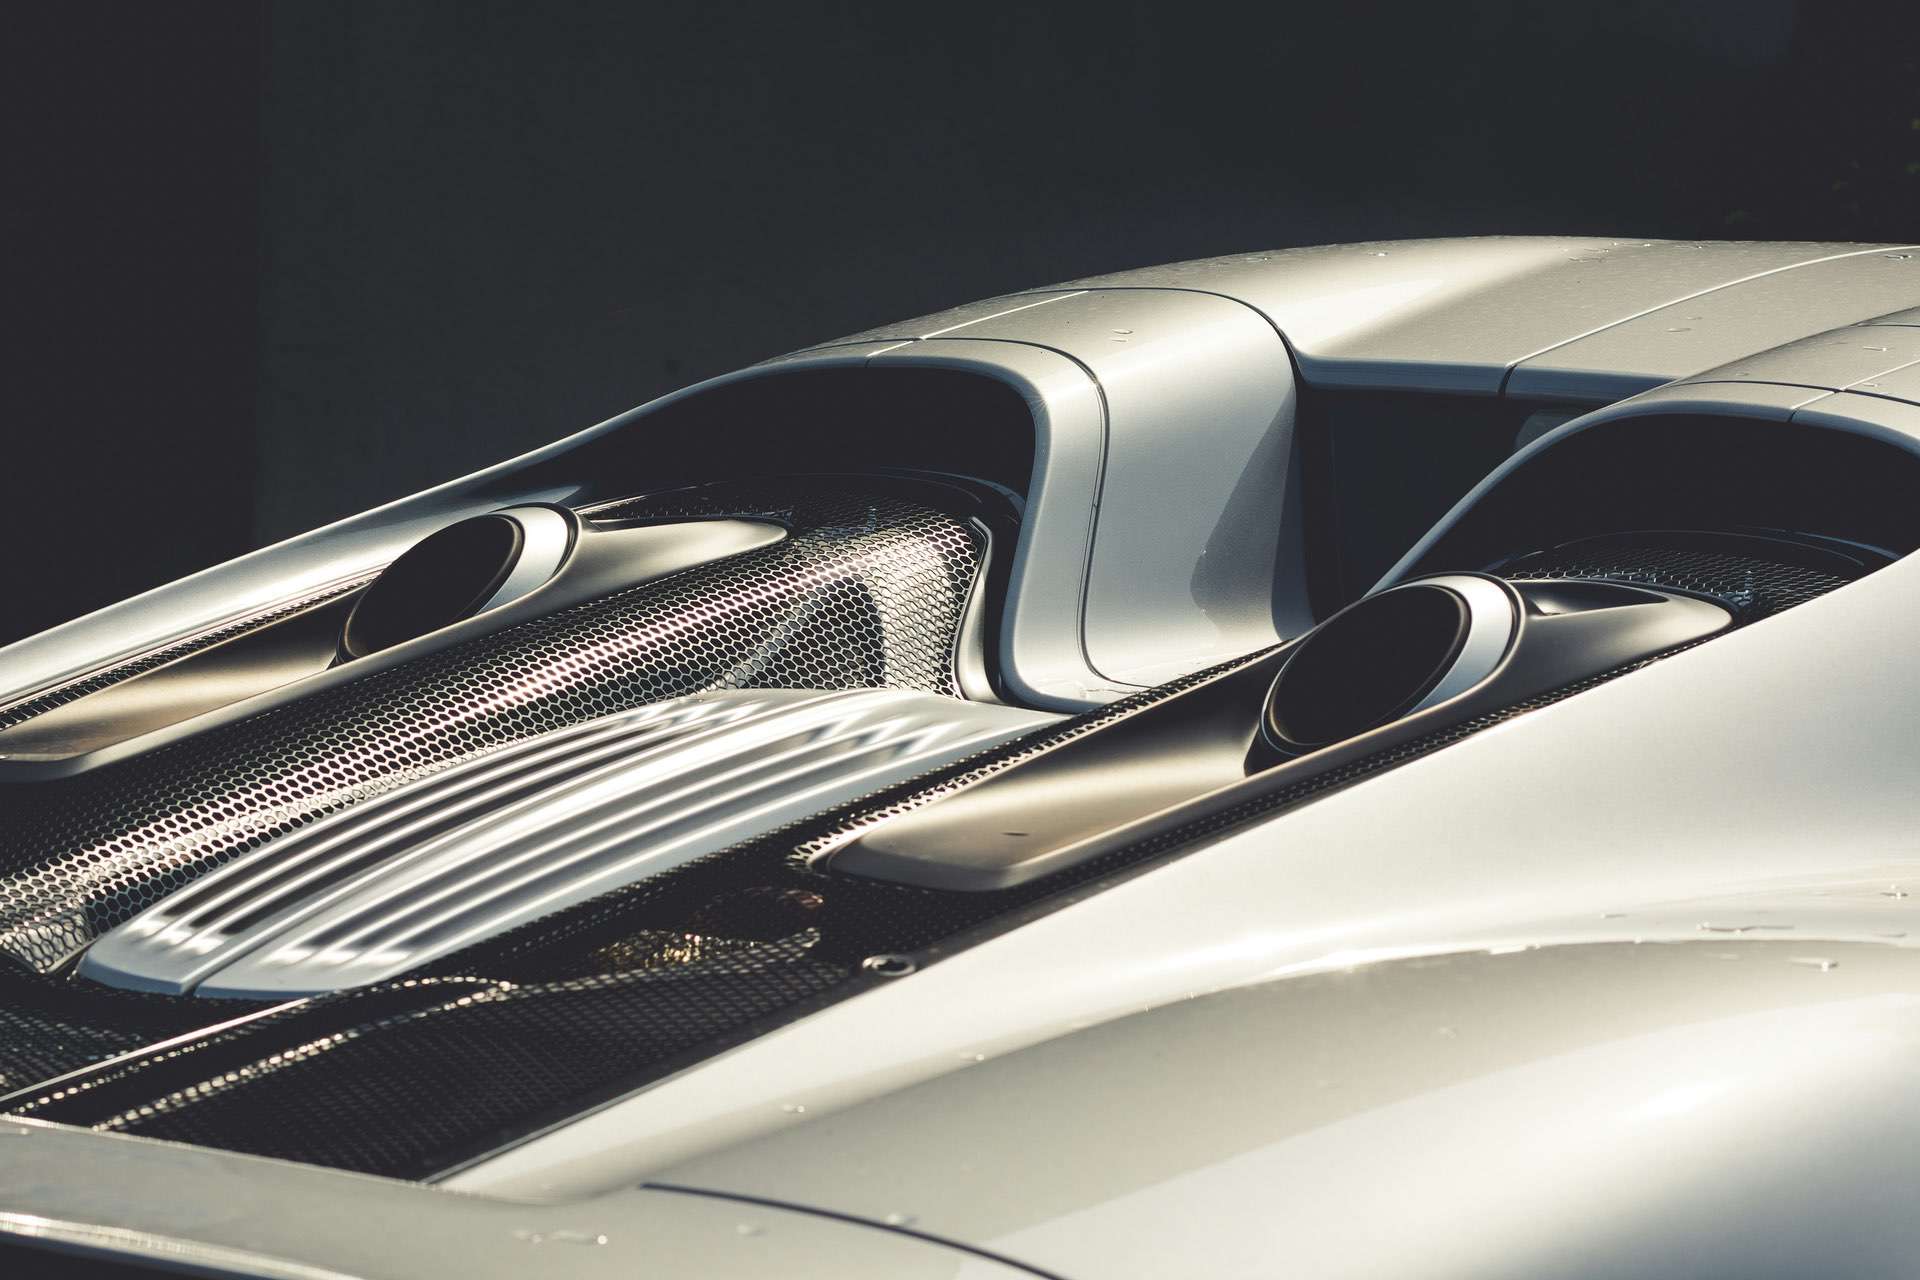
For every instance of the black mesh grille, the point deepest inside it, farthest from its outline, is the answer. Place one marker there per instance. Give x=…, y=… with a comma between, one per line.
x=48, y=1028
x=412, y=1077
x=868, y=592
x=514, y=1043
x=1750, y=586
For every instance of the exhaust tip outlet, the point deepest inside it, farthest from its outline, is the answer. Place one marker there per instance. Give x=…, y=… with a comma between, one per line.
x=1388, y=656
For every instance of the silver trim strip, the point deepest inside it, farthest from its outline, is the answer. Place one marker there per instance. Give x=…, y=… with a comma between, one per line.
x=1493, y=617
x=546, y=538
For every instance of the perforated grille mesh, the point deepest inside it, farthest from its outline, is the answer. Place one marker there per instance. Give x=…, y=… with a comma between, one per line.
x=867, y=592
x=24, y=709
x=1751, y=587
x=47, y=1028
x=516, y=1045
x=409, y=1078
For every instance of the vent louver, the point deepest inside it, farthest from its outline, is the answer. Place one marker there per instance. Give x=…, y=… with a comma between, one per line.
x=513, y=835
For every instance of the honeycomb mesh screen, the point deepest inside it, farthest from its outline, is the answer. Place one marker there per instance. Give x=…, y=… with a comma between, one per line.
x=21, y=710
x=415, y=1076
x=868, y=591
x=1751, y=586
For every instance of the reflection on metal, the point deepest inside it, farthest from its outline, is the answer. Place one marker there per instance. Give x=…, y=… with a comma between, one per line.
x=547, y=536
x=1490, y=625
x=1506, y=1109
x=520, y=832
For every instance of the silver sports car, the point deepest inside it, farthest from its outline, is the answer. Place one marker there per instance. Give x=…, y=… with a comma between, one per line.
x=1392, y=759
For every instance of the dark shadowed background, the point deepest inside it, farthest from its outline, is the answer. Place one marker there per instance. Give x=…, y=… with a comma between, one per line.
x=267, y=265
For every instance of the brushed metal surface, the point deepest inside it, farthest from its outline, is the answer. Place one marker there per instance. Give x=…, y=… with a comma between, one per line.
x=517, y=833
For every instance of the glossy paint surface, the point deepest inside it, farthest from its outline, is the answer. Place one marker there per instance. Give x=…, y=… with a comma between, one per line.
x=1730, y=1104
x=215, y=1213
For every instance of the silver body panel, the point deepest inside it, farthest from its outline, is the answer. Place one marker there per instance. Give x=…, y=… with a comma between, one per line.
x=1630, y=983
x=1465, y=315
x=1191, y=525
x=214, y=1213
x=1699, y=333
x=1423, y=1117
